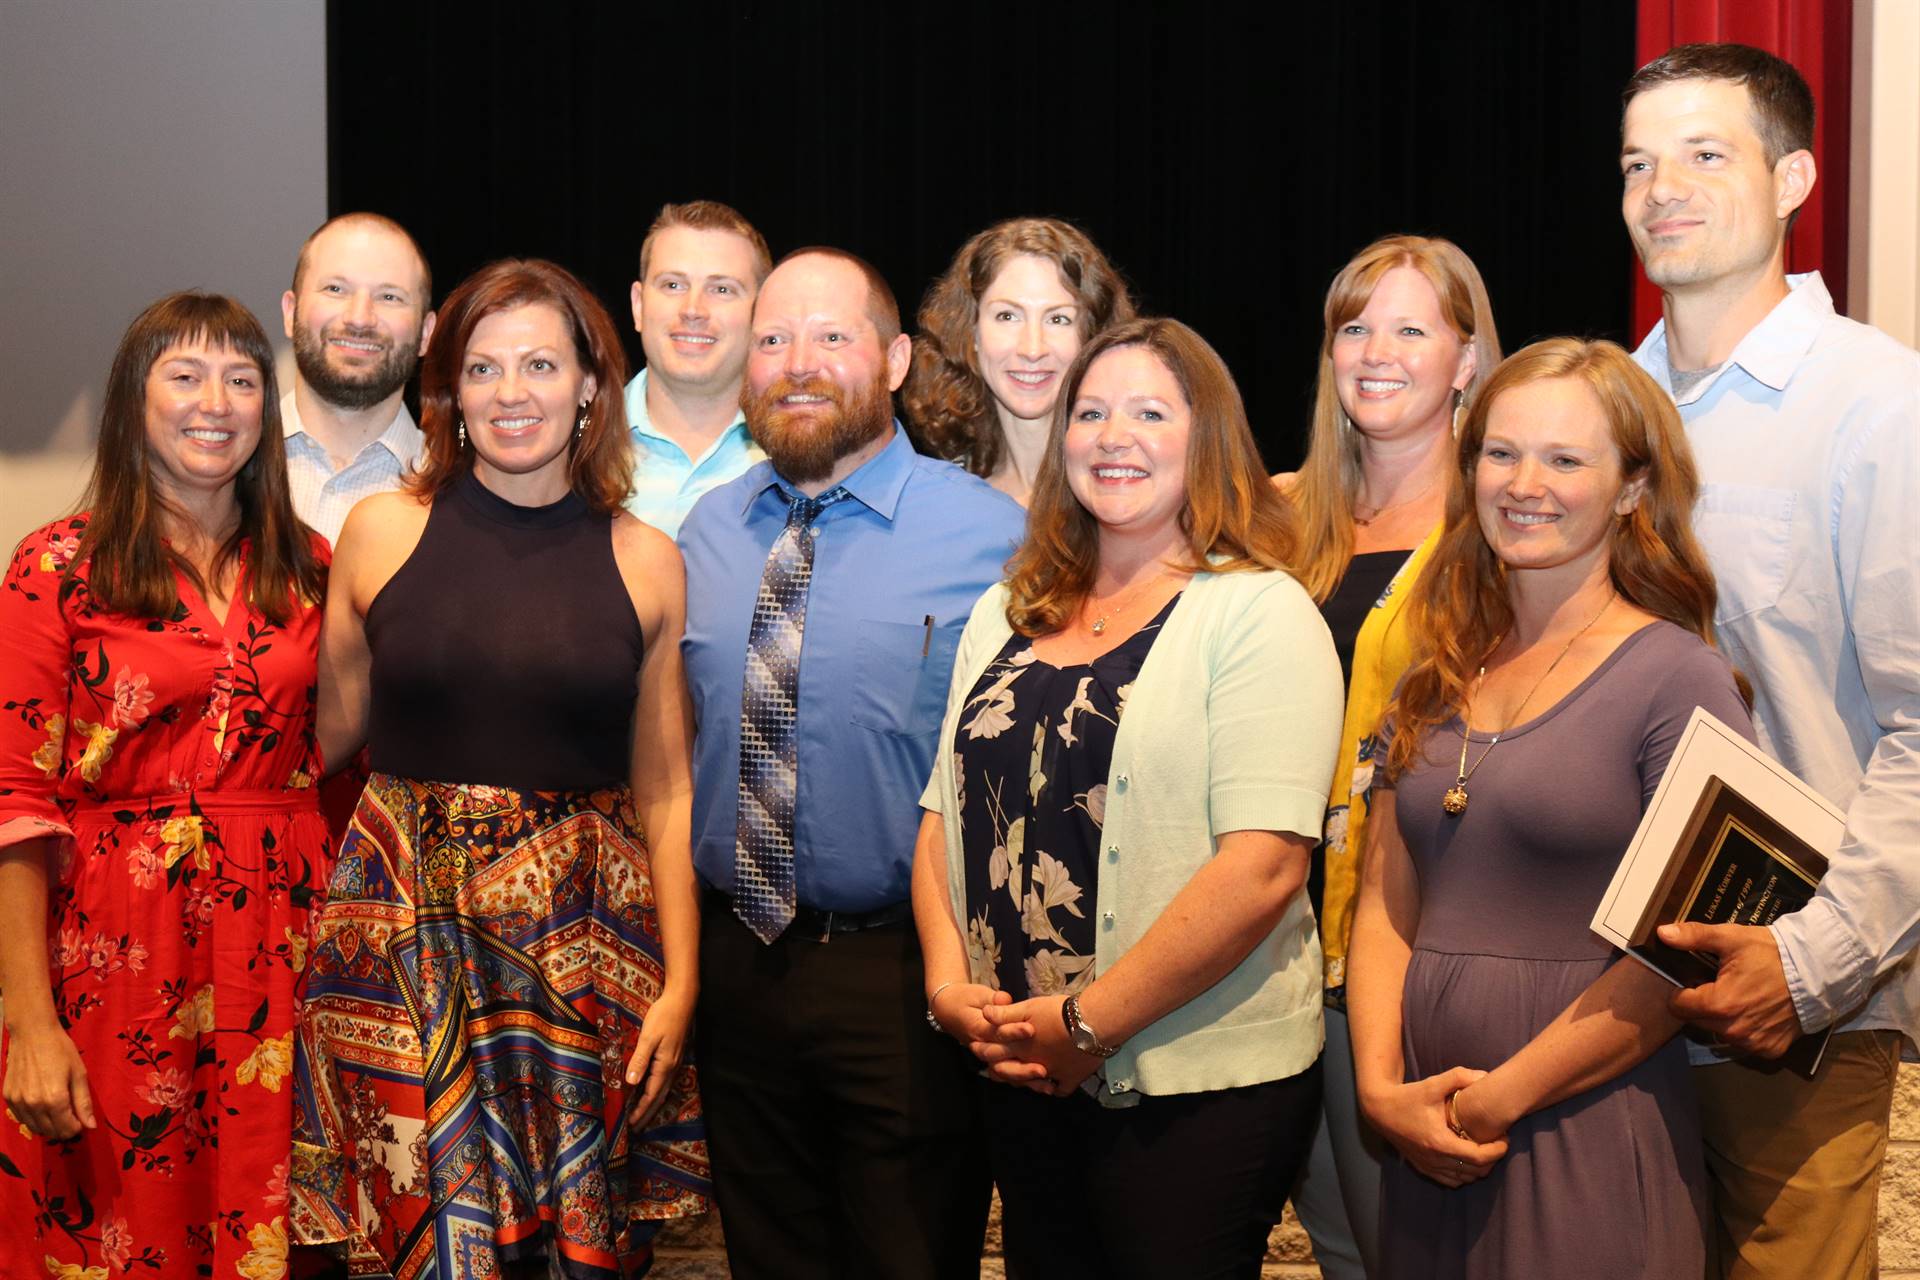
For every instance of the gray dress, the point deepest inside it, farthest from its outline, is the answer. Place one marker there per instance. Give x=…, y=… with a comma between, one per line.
x=1611, y=1182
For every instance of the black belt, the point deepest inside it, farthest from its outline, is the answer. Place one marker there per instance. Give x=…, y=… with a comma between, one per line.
x=810, y=924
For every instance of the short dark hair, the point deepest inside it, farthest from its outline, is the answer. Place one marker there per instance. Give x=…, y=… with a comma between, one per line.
x=881, y=307
x=709, y=215
x=385, y=223
x=1781, y=101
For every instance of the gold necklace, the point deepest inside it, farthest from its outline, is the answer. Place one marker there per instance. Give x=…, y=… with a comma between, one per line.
x=1454, y=802
x=1099, y=624
x=1364, y=521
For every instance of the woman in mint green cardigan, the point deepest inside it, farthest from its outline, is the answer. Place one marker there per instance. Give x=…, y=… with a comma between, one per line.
x=1108, y=882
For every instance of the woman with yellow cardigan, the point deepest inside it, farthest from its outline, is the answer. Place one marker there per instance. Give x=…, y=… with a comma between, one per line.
x=1409, y=339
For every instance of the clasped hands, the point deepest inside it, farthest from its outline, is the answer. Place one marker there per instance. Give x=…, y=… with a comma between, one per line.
x=1021, y=1044
x=1413, y=1117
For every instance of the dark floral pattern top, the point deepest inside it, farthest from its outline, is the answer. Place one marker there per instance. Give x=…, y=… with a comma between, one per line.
x=1033, y=749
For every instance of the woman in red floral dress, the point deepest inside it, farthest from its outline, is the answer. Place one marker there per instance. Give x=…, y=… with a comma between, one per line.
x=160, y=844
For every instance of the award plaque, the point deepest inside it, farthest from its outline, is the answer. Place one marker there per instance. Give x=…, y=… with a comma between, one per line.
x=1733, y=865
x=1729, y=837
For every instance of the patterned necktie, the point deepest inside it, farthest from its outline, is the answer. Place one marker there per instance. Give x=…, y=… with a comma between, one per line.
x=769, y=706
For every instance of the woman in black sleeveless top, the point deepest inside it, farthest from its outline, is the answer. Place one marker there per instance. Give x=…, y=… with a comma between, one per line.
x=489, y=1066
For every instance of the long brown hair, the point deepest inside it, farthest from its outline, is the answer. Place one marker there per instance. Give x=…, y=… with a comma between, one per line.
x=601, y=468
x=1459, y=608
x=1329, y=479
x=130, y=566
x=945, y=399
x=1233, y=517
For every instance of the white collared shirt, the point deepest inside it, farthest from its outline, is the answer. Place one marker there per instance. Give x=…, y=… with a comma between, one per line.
x=322, y=496
x=1808, y=443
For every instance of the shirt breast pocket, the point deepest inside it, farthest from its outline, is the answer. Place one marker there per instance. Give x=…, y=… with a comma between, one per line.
x=1748, y=535
x=896, y=688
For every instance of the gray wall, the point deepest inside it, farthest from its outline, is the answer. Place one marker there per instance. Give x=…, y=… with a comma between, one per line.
x=145, y=146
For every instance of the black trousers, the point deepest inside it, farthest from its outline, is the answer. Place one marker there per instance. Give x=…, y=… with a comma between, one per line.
x=1184, y=1185
x=844, y=1132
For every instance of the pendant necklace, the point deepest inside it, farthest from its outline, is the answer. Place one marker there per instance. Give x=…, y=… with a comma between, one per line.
x=1364, y=521
x=1099, y=624
x=1454, y=801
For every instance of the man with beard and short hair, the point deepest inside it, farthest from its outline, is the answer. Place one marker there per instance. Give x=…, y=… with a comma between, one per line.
x=359, y=319
x=1805, y=426
x=700, y=266
x=843, y=1134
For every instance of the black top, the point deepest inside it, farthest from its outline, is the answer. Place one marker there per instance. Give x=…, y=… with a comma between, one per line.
x=1347, y=608
x=505, y=650
x=1036, y=744
x=1346, y=612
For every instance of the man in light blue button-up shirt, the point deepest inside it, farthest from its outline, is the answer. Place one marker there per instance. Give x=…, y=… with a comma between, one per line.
x=842, y=1128
x=700, y=266
x=1806, y=429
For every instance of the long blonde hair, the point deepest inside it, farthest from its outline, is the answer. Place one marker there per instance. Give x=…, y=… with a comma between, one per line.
x=1329, y=480
x=1459, y=608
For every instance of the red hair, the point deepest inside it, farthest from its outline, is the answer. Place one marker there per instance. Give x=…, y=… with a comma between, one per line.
x=1459, y=609
x=1233, y=517
x=601, y=470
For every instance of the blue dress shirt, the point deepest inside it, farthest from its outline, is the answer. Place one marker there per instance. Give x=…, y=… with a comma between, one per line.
x=666, y=482
x=922, y=539
x=1808, y=444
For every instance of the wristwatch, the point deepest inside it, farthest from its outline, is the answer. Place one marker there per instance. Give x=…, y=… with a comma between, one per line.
x=1084, y=1037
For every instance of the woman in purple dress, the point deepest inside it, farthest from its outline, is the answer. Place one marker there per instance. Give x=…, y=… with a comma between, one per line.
x=1529, y=1076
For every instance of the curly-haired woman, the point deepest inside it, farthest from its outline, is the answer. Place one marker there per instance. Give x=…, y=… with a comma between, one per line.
x=997, y=333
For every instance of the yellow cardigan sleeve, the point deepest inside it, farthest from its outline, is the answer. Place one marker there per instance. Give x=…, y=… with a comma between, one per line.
x=1381, y=655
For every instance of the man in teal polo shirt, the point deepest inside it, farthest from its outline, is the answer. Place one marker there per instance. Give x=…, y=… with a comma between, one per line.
x=700, y=267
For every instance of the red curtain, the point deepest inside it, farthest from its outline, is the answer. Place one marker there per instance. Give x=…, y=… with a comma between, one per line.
x=1816, y=36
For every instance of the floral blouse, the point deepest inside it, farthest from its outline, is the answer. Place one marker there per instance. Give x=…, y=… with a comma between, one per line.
x=1033, y=749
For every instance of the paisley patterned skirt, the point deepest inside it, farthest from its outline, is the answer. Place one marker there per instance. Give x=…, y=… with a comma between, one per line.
x=475, y=987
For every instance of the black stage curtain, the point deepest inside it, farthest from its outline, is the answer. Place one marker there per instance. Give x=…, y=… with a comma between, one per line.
x=1228, y=164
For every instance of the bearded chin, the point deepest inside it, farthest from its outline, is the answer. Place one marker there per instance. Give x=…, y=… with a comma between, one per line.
x=349, y=391
x=804, y=447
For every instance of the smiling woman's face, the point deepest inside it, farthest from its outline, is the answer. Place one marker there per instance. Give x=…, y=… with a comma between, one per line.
x=1548, y=483
x=1027, y=334
x=522, y=388
x=1126, y=443
x=1397, y=364
x=204, y=405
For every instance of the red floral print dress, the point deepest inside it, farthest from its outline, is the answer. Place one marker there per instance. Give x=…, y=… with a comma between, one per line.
x=173, y=762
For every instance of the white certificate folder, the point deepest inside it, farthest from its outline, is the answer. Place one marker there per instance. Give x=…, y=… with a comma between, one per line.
x=1711, y=758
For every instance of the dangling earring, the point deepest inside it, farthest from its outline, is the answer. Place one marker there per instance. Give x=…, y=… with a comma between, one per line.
x=1459, y=398
x=462, y=431
x=580, y=427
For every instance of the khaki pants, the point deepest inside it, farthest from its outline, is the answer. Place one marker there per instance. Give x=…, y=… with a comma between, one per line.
x=1795, y=1163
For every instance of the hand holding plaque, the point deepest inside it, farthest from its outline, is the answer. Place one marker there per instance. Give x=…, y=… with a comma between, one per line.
x=1747, y=1004
x=1730, y=842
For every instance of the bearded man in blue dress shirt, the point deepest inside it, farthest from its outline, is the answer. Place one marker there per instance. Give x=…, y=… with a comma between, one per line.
x=827, y=588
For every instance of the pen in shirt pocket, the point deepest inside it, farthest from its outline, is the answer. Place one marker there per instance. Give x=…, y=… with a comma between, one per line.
x=926, y=645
